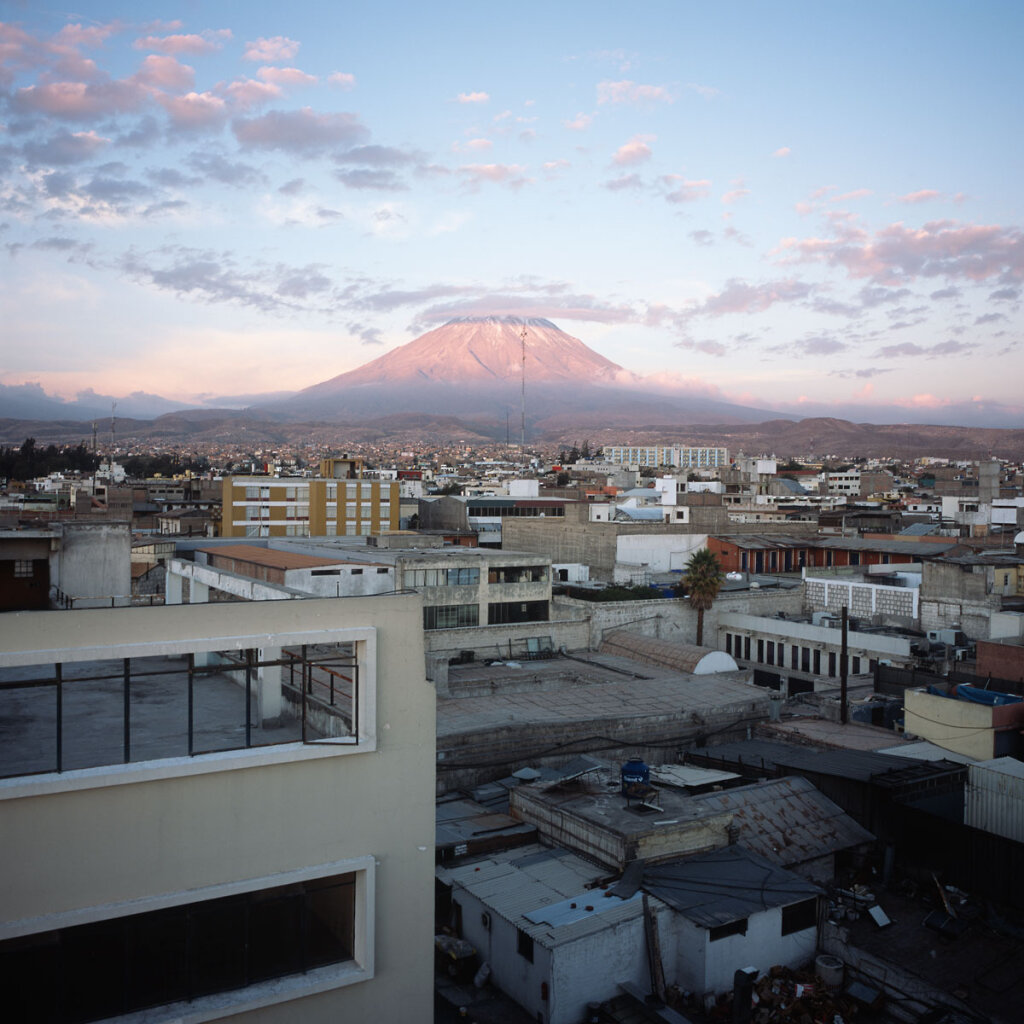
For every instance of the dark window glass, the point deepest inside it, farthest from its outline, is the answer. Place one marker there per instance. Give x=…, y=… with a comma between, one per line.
x=217, y=944
x=738, y=927
x=799, y=916
x=524, y=945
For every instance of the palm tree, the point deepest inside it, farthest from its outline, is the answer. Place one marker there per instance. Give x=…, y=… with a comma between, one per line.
x=701, y=583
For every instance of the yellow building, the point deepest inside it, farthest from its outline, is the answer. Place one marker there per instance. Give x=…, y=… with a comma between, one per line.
x=261, y=506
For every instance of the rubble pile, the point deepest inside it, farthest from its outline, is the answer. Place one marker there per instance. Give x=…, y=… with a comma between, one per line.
x=797, y=996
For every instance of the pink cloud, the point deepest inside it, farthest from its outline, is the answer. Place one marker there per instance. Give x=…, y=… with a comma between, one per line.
x=580, y=123
x=473, y=97
x=166, y=73
x=196, y=45
x=782, y=151
x=271, y=50
x=736, y=193
x=286, y=76
x=65, y=148
x=474, y=145
x=680, y=190
x=79, y=100
x=301, y=131
x=857, y=193
x=923, y=195
x=740, y=297
x=512, y=175
x=84, y=35
x=635, y=151
x=247, y=93
x=195, y=111
x=625, y=181
x=632, y=92
x=708, y=92
x=342, y=79
x=898, y=253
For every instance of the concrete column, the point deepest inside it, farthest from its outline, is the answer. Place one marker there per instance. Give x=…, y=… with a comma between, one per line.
x=268, y=687
x=172, y=593
x=198, y=593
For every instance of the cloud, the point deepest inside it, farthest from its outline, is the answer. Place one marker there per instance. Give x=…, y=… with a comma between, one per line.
x=74, y=101
x=857, y=193
x=512, y=175
x=212, y=165
x=989, y=318
x=923, y=195
x=377, y=156
x=286, y=76
x=83, y=35
x=873, y=295
x=342, y=79
x=740, y=297
x=678, y=189
x=472, y=97
x=556, y=165
x=912, y=349
x=473, y=145
x=364, y=178
x=951, y=292
x=707, y=346
x=702, y=237
x=708, y=92
x=64, y=147
x=166, y=73
x=366, y=334
x=623, y=182
x=195, y=111
x=636, y=151
x=302, y=283
x=897, y=253
x=1006, y=294
x=299, y=131
x=208, y=42
x=782, y=151
x=820, y=345
x=632, y=92
x=246, y=93
x=739, y=191
x=580, y=123
x=293, y=187
x=271, y=50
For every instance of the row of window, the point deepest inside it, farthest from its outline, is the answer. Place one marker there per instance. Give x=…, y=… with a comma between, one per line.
x=452, y=616
x=441, y=577
x=797, y=917
x=107, y=968
x=801, y=659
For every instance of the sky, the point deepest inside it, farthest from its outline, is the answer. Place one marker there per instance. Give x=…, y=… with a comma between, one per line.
x=792, y=205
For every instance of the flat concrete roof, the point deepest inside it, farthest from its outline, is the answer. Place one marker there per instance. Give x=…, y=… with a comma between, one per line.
x=269, y=558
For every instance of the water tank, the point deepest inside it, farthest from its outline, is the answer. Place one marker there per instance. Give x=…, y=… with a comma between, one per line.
x=635, y=772
x=830, y=969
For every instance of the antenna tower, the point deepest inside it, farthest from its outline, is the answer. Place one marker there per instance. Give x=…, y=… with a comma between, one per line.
x=522, y=436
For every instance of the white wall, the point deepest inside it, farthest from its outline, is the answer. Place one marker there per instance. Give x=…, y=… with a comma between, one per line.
x=660, y=552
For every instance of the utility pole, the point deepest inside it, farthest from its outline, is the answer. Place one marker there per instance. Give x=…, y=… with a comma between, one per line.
x=842, y=669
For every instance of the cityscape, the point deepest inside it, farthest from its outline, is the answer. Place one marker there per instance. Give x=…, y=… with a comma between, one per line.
x=511, y=515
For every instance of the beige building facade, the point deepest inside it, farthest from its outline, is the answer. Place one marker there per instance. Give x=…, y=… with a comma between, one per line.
x=286, y=874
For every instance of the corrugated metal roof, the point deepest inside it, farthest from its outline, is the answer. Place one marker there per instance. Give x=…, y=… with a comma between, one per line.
x=787, y=820
x=688, y=775
x=715, y=888
x=851, y=764
x=514, y=885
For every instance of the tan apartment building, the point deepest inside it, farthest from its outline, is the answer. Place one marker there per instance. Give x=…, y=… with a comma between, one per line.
x=261, y=506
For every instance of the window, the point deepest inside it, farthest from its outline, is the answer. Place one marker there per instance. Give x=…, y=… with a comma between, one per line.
x=23, y=568
x=357, y=572
x=106, y=968
x=463, y=577
x=799, y=916
x=451, y=616
x=524, y=945
x=722, y=931
x=383, y=572
x=517, y=611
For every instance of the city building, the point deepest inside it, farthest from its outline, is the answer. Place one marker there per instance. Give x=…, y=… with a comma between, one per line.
x=260, y=506
x=193, y=812
x=654, y=456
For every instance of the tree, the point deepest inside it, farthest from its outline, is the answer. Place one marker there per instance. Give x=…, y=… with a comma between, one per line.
x=702, y=582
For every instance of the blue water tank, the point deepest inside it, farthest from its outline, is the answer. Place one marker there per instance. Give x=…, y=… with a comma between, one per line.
x=635, y=771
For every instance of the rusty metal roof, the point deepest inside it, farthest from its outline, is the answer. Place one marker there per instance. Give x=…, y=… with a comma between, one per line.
x=268, y=557
x=787, y=820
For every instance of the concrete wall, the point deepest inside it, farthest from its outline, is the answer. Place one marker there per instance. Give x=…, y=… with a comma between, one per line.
x=975, y=730
x=950, y=596
x=862, y=599
x=664, y=553
x=98, y=843
x=93, y=566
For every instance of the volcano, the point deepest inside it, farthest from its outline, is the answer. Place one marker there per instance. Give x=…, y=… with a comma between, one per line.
x=473, y=367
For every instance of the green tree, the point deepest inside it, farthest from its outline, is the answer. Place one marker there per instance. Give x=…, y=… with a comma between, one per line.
x=701, y=583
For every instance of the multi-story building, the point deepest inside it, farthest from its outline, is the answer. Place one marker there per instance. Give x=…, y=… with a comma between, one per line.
x=217, y=812
x=260, y=506
x=666, y=455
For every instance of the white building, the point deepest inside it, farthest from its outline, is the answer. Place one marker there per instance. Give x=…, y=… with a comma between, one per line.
x=191, y=833
x=667, y=455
